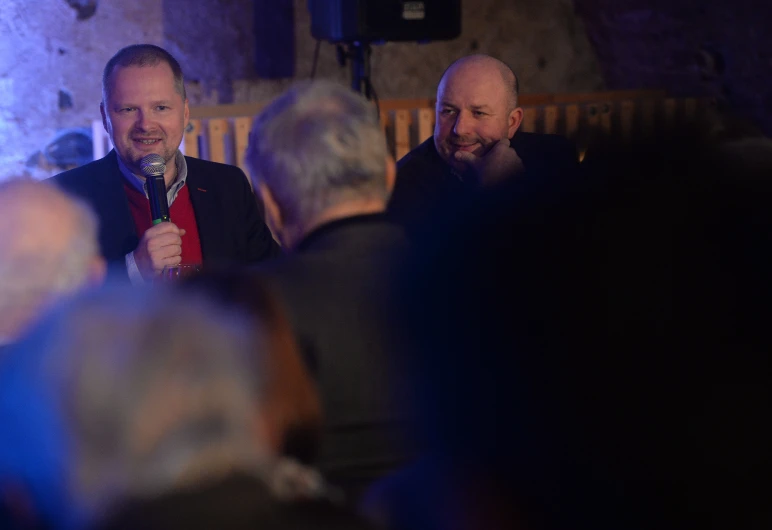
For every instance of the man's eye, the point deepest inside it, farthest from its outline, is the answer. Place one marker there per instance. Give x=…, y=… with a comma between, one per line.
x=479, y=113
x=162, y=107
x=447, y=112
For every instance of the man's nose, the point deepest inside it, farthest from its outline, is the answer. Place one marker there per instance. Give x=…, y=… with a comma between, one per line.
x=463, y=124
x=143, y=120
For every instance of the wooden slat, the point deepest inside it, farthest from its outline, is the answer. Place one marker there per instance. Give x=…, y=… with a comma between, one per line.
x=191, y=138
x=529, y=119
x=605, y=117
x=406, y=104
x=535, y=100
x=690, y=108
x=401, y=133
x=572, y=120
x=218, y=128
x=627, y=115
x=425, y=124
x=226, y=111
x=386, y=127
x=526, y=100
x=384, y=120
x=242, y=127
x=551, y=116
x=609, y=95
x=649, y=109
x=670, y=111
x=592, y=112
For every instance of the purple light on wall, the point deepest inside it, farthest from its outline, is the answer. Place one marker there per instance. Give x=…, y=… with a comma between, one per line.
x=689, y=48
x=274, y=31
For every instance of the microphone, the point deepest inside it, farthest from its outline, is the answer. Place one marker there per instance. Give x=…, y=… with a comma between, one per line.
x=154, y=167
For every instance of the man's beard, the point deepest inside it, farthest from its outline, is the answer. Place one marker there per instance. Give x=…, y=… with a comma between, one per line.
x=451, y=148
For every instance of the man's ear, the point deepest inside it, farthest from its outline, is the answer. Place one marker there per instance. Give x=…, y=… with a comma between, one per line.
x=187, y=115
x=391, y=173
x=515, y=119
x=104, y=116
x=273, y=216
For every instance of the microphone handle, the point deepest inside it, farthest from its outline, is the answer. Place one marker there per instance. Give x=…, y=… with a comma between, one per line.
x=159, y=206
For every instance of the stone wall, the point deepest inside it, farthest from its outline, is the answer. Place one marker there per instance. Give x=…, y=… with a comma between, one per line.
x=51, y=58
x=50, y=72
x=688, y=47
x=543, y=41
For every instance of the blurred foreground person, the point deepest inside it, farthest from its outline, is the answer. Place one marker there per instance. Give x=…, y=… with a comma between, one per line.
x=290, y=402
x=48, y=249
x=135, y=409
x=603, y=360
x=319, y=161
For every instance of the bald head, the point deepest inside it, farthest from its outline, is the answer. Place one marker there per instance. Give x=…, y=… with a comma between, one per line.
x=487, y=66
x=476, y=108
x=48, y=248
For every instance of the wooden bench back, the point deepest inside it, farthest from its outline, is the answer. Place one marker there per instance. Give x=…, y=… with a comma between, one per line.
x=221, y=133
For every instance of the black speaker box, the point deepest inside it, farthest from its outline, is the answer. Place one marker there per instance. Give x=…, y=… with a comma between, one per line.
x=385, y=20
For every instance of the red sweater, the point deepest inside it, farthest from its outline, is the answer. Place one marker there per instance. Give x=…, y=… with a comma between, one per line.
x=181, y=213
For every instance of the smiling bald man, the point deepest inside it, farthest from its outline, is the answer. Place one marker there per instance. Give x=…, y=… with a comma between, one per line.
x=476, y=141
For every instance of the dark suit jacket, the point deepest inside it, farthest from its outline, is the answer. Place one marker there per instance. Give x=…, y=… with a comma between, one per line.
x=335, y=286
x=229, y=224
x=425, y=182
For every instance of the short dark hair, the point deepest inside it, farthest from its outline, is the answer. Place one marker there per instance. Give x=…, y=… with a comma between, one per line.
x=143, y=55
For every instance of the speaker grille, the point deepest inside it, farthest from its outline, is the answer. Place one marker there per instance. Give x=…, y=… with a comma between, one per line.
x=385, y=20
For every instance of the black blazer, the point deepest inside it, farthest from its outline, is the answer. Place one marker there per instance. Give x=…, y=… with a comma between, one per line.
x=335, y=287
x=230, y=228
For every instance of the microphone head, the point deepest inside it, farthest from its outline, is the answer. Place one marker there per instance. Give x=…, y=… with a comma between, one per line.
x=152, y=165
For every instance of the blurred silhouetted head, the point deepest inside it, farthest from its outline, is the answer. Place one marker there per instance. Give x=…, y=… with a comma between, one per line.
x=129, y=392
x=289, y=401
x=48, y=249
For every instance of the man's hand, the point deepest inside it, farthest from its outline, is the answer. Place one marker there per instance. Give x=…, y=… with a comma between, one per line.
x=499, y=163
x=160, y=246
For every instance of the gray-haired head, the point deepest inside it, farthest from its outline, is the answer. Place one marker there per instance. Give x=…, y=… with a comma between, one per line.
x=142, y=55
x=145, y=391
x=48, y=249
x=317, y=146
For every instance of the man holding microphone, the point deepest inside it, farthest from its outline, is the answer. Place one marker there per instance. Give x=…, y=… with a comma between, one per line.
x=214, y=215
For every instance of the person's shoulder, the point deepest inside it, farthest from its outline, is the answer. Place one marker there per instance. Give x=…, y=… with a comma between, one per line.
x=292, y=277
x=422, y=154
x=198, y=164
x=73, y=177
x=529, y=139
x=215, y=174
x=545, y=149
